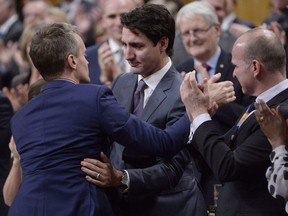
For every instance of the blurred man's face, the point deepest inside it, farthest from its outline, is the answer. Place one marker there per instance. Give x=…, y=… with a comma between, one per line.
x=33, y=10
x=113, y=9
x=219, y=6
x=4, y=11
x=280, y=5
x=199, y=38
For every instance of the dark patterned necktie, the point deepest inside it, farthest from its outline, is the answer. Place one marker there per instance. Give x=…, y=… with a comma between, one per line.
x=139, y=98
x=206, y=66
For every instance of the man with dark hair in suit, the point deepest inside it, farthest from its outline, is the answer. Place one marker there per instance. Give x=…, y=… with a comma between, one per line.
x=240, y=158
x=153, y=185
x=6, y=113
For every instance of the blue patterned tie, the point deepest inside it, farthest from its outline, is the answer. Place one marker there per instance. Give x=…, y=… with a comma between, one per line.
x=139, y=98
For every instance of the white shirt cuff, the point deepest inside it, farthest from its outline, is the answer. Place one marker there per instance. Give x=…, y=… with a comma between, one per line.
x=197, y=122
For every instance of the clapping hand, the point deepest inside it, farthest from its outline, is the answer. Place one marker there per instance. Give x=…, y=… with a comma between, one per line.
x=272, y=123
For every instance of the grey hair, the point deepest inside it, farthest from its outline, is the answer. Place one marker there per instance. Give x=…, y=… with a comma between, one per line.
x=197, y=8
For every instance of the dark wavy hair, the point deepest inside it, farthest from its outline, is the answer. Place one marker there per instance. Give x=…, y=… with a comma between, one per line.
x=154, y=21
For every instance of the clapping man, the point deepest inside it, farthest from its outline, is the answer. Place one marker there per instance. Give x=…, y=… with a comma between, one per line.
x=153, y=185
x=240, y=158
x=106, y=60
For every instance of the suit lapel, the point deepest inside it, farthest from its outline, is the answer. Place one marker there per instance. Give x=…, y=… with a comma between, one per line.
x=251, y=121
x=158, y=95
x=224, y=67
x=129, y=89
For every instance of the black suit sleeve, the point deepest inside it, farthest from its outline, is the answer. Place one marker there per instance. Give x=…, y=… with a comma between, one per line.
x=249, y=158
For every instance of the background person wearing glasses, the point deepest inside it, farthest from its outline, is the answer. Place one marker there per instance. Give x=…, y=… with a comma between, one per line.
x=200, y=30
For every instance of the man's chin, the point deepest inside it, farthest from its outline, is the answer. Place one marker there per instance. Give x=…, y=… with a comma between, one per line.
x=135, y=71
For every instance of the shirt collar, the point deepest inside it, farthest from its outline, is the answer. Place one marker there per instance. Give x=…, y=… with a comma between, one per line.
x=227, y=21
x=5, y=27
x=212, y=62
x=153, y=80
x=270, y=93
x=113, y=45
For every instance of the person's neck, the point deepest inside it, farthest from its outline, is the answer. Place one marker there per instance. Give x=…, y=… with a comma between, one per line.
x=69, y=79
x=270, y=82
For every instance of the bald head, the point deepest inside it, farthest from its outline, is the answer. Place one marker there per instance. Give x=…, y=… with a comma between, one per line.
x=263, y=45
x=112, y=11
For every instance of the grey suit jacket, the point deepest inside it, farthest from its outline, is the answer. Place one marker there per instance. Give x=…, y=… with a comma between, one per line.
x=164, y=186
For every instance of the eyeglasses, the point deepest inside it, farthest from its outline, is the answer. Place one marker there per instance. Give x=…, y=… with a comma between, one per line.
x=195, y=32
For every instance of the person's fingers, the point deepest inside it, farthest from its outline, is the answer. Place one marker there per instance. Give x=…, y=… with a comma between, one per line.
x=215, y=78
x=94, y=172
x=95, y=181
x=204, y=73
x=104, y=158
x=93, y=164
x=185, y=84
x=193, y=82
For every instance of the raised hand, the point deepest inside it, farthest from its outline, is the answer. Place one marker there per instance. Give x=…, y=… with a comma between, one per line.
x=272, y=124
x=196, y=99
x=220, y=92
x=109, y=69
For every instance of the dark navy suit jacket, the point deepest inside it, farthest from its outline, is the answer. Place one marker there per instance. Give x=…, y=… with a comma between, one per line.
x=6, y=113
x=63, y=125
x=93, y=66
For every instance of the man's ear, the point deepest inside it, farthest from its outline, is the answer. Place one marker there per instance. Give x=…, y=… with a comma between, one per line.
x=256, y=67
x=164, y=41
x=218, y=29
x=72, y=61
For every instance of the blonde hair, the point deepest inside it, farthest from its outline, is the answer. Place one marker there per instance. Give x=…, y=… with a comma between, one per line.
x=26, y=37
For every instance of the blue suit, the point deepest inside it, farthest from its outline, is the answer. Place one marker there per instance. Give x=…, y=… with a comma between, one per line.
x=93, y=66
x=63, y=125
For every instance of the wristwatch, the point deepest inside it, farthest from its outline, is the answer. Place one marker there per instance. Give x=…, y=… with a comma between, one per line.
x=125, y=180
